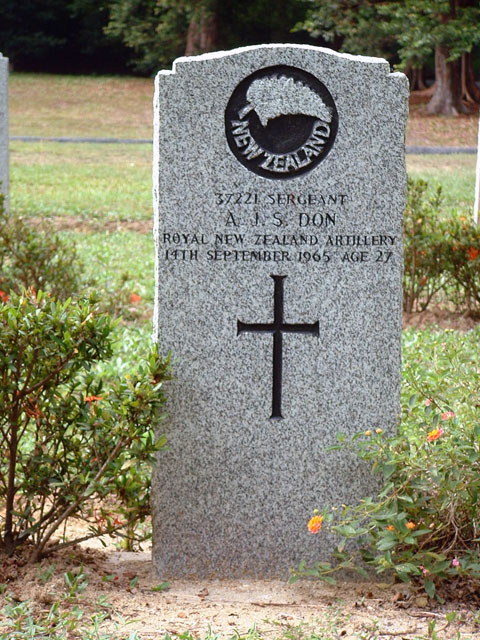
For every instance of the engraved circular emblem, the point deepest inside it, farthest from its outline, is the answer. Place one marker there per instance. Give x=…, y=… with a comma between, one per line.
x=281, y=122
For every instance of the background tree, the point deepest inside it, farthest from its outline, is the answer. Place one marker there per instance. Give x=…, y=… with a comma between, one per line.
x=351, y=26
x=408, y=31
x=450, y=28
x=59, y=35
x=160, y=30
x=152, y=33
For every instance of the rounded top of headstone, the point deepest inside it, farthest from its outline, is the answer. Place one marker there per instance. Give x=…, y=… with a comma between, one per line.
x=277, y=47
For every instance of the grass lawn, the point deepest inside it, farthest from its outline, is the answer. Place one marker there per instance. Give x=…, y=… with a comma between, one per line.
x=83, y=106
x=455, y=173
x=119, y=256
x=94, y=182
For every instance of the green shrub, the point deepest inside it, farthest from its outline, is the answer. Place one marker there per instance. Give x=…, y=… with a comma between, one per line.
x=425, y=523
x=36, y=257
x=442, y=254
x=425, y=270
x=463, y=258
x=66, y=440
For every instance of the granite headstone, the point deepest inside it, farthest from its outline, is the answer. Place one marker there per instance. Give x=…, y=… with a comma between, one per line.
x=4, y=127
x=279, y=190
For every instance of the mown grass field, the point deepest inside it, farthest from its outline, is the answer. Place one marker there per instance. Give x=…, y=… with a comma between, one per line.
x=88, y=106
x=91, y=182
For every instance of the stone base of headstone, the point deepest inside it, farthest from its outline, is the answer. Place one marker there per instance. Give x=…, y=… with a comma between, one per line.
x=279, y=188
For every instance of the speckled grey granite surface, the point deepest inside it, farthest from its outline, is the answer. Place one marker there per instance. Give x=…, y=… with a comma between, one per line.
x=4, y=126
x=234, y=492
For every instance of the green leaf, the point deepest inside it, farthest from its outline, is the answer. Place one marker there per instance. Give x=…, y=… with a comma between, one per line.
x=163, y=586
x=386, y=543
x=429, y=587
x=407, y=568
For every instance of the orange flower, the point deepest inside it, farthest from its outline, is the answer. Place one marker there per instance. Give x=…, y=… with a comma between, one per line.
x=4, y=296
x=315, y=524
x=410, y=525
x=472, y=253
x=390, y=527
x=91, y=399
x=134, y=298
x=435, y=435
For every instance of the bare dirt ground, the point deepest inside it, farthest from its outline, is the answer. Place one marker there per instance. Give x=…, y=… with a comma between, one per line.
x=440, y=131
x=373, y=610
x=440, y=317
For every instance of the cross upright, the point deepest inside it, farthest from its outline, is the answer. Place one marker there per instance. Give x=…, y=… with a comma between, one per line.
x=277, y=328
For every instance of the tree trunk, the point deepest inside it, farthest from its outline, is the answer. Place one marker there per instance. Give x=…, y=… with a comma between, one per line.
x=470, y=91
x=420, y=81
x=447, y=99
x=202, y=35
x=415, y=75
x=8, y=538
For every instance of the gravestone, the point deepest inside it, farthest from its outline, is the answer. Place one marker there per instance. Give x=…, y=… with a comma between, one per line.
x=279, y=190
x=4, y=127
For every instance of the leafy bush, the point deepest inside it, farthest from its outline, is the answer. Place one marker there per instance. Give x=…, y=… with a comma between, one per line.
x=425, y=270
x=442, y=254
x=425, y=523
x=36, y=256
x=463, y=257
x=65, y=439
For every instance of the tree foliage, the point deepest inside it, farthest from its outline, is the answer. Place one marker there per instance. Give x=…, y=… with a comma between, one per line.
x=59, y=35
x=154, y=33
x=448, y=27
x=408, y=32
x=419, y=26
x=351, y=26
x=159, y=30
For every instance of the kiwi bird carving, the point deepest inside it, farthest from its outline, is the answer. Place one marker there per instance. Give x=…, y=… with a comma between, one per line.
x=282, y=96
